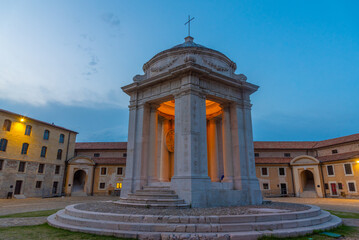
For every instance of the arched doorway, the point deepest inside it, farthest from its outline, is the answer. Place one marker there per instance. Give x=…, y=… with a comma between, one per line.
x=79, y=181
x=308, y=185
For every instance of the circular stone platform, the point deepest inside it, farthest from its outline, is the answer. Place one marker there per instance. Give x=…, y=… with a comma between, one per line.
x=249, y=222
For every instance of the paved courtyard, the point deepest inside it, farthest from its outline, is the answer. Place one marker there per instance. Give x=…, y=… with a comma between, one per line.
x=10, y=206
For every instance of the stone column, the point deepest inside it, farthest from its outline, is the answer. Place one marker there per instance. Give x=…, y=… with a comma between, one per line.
x=190, y=179
x=165, y=164
x=212, y=150
x=152, y=149
x=137, y=149
x=243, y=152
x=227, y=145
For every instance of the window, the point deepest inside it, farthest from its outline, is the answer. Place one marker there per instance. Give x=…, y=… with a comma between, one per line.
x=28, y=130
x=41, y=168
x=62, y=138
x=25, y=147
x=281, y=171
x=57, y=169
x=59, y=154
x=286, y=154
x=352, y=187
x=340, y=185
x=46, y=135
x=1, y=164
x=103, y=171
x=265, y=186
x=54, y=187
x=96, y=154
x=334, y=151
x=102, y=185
x=348, y=169
x=22, y=167
x=264, y=171
x=7, y=125
x=125, y=155
x=119, y=171
x=256, y=154
x=3, y=144
x=330, y=170
x=38, y=184
x=119, y=185
x=326, y=186
x=43, y=151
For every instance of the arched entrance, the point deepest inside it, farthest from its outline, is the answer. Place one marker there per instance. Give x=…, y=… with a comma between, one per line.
x=79, y=181
x=308, y=184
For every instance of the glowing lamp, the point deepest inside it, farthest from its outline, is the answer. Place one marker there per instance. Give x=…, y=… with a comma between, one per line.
x=22, y=119
x=357, y=161
x=119, y=185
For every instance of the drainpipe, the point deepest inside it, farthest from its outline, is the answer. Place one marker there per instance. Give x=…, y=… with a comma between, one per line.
x=93, y=178
x=321, y=168
x=66, y=163
x=291, y=173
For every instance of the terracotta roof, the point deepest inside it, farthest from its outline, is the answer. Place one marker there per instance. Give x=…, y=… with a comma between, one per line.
x=339, y=156
x=109, y=161
x=284, y=145
x=101, y=146
x=272, y=160
x=35, y=120
x=339, y=140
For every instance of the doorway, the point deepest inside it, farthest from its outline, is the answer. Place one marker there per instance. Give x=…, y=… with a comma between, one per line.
x=54, y=187
x=18, y=185
x=79, y=181
x=308, y=181
x=283, y=189
x=333, y=189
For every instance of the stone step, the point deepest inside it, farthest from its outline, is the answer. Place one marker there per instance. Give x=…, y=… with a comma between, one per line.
x=157, y=191
x=144, y=205
x=152, y=201
x=191, y=228
x=292, y=232
x=152, y=196
x=156, y=187
x=308, y=194
x=314, y=211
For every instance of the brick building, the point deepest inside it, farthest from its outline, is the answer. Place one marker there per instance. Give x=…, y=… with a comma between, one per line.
x=33, y=156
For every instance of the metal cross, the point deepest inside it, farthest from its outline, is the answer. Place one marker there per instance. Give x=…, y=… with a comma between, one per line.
x=189, y=24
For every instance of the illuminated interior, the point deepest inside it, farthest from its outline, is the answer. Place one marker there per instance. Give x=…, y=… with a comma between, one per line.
x=168, y=108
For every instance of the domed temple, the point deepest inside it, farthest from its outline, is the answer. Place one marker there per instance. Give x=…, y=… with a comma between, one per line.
x=190, y=130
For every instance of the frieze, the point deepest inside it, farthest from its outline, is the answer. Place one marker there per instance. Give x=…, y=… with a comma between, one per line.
x=215, y=66
x=164, y=66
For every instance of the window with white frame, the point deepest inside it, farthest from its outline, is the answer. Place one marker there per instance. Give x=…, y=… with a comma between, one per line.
x=103, y=171
x=352, y=187
x=119, y=171
x=102, y=185
x=265, y=186
x=281, y=171
x=330, y=170
x=264, y=171
x=348, y=169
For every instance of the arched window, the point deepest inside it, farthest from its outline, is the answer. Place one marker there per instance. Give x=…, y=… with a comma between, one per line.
x=43, y=151
x=25, y=147
x=62, y=138
x=59, y=154
x=28, y=130
x=46, y=135
x=3, y=144
x=7, y=125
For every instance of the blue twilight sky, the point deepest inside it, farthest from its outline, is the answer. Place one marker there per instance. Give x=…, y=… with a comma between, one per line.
x=65, y=61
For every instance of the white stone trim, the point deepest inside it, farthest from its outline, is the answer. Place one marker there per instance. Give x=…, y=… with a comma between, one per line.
x=267, y=172
x=101, y=171
x=328, y=171
x=351, y=165
x=285, y=172
x=355, y=185
x=123, y=169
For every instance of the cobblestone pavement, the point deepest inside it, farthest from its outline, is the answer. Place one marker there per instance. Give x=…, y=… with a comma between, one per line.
x=335, y=204
x=12, y=222
x=10, y=206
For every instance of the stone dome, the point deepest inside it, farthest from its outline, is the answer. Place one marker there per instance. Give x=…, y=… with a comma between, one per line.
x=189, y=53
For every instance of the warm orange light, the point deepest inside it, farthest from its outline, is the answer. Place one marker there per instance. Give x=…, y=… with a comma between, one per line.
x=119, y=185
x=357, y=161
x=22, y=119
x=168, y=108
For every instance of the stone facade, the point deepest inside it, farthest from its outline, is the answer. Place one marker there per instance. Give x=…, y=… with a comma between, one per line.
x=23, y=168
x=97, y=169
x=328, y=168
x=191, y=94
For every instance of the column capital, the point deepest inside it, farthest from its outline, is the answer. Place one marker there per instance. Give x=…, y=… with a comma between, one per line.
x=187, y=91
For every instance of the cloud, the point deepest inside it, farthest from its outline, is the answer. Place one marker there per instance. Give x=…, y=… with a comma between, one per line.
x=111, y=19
